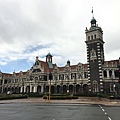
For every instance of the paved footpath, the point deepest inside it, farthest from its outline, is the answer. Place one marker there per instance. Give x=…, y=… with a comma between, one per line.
x=81, y=100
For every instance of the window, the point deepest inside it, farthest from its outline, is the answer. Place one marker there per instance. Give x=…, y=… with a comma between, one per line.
x=94, y=36
x=91, y=37
x=5, y=81
x=110, y=73
x=73, y=76
x=85, y=74
x=66, y=77
x=116, y=73
x=95, y=86
x=79, y=76
x=88, y=37
x=55, y=77
x=61, y=77
x=105, y=73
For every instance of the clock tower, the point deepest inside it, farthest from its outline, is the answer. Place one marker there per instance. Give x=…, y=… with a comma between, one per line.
x=95, y=56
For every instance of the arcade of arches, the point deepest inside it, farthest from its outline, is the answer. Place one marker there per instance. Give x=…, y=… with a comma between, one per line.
x=45, y=89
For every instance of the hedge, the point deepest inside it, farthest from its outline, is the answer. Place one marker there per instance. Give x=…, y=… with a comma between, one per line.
x=60, y=97
x=9, y=97
x=35, y=94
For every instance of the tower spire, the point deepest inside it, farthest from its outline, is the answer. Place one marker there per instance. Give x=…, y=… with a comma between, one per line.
x=93, y=21
x=92, y=13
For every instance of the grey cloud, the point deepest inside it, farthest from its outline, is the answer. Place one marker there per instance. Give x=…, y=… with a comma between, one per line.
x=56, y=24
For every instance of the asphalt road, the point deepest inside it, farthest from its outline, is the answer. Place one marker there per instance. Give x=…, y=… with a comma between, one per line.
x=55, y=111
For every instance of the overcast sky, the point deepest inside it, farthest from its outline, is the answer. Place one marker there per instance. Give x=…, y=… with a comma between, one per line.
x=30, y=28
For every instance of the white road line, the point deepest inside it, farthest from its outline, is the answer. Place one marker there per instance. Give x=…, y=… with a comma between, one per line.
x=100, y=106
x=109, y=118
x=103, y=110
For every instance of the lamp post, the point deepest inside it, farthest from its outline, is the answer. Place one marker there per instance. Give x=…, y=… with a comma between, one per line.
x=50, y=78
x=22, y=86
x=81, y=83
x=114, y=87
x=74, y=84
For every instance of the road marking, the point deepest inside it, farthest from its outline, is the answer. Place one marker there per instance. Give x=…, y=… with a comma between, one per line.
x=109, y=118
x=104, y=112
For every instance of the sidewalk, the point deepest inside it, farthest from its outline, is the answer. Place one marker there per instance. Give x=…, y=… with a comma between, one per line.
x=81, y=100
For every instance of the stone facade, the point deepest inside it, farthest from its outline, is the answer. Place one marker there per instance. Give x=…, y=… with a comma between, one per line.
x=72, y=79
x=96, y=76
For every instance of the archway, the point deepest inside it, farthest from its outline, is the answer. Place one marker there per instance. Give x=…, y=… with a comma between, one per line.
x=16, y=90
x=64, y=89
x=28, y=89
x=70, y=88
x=12, y=89
x=58, y=88
x=52, y=89
x=38, y=88
x=85, y=88
x=5, y=90
x=19, y=88
x=32, y=89
x=78, y=89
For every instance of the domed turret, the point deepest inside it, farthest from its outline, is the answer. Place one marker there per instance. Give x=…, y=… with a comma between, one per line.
x=68, y=62
x=93, y=22
x=49, y=58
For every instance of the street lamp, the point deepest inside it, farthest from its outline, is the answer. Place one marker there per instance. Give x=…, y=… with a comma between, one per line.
x=22, y=86
x=50, y=78
x=74, y=84
x=81, y=83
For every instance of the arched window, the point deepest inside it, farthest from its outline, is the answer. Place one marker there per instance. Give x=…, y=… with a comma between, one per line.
x=94, y=36
x=88, y=37
x=116, y=73
x=110, y=73
x=95, y=86
x=105, y=73
x=91, y=37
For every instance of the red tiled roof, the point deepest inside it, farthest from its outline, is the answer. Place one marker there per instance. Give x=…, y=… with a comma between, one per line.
x=46, y=67
x=61, y=68
x=112, y=61
x=85, y=65
x=24, y=73
x=6, y=75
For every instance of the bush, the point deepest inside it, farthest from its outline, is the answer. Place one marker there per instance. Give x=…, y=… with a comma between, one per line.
x=60, y=94
x=35, y=94
x=13, y=96
x=86, y=95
